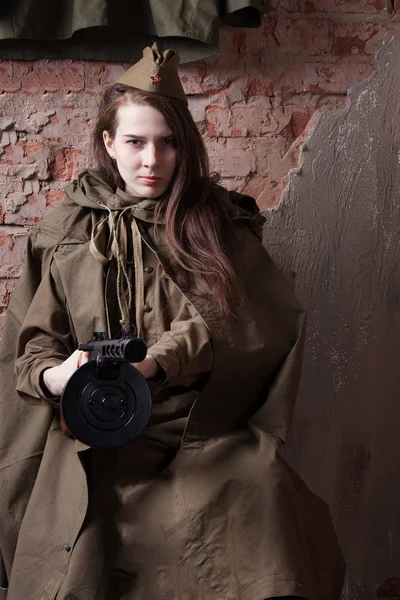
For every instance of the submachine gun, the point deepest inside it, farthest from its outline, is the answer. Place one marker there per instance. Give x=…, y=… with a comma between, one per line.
x=106, y=403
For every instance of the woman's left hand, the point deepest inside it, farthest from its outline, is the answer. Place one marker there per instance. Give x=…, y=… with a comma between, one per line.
x=148, y=367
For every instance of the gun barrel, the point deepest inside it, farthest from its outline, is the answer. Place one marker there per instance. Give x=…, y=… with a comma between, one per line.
x=123, y=350
x=135, y=350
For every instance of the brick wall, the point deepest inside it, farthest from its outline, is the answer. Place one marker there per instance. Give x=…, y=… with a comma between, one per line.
x=254, y=102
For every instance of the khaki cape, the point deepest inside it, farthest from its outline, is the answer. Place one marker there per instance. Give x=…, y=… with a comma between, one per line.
x=227, y=518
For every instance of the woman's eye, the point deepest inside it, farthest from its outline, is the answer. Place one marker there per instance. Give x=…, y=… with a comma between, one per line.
x=169, y=141
x=135, y=142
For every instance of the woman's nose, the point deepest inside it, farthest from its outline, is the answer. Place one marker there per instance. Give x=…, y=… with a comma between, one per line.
x=150, y=158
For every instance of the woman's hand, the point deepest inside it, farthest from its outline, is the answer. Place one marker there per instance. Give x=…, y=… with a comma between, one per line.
x=149, y=367
x=55, y=378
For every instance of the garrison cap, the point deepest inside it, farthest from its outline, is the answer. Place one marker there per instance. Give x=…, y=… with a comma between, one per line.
x=156, y=72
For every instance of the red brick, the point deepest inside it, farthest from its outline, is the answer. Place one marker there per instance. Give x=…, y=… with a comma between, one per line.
x=52, y=76
x=299, y=121
x=29, y=213
x=99, y=75
x=2, y=320
x=8, y=81
x=270, y=155
x=32, y=147
x=13, y=202
x=297, y=124
x=93, y=74
x=61, y=123
x=254, y=118
x=73, y=76
x=340, y=76
x=231, y=157
x=4, y=240
x=75, y=127
x=53, y=197
x=65, y=164
x=219, y=78
x=233, y=183
x=259, y=88
x=192, y=77
x=334, y=6
x=34, y=80
x=35, y=161
x=258, y=118
x=382, y=36
x=306, y=36
x=5, y=294
x=12, y=253
x=268, y=26
x=239, y=41
x=356, y=38
x=236, y=92
x=270, y=196
x=197, y=107
x=324, y=77
x=258, y=39
x=7, y=287
x=223, y=67
x=217, y=121
x=254, y=186
x=13, y=154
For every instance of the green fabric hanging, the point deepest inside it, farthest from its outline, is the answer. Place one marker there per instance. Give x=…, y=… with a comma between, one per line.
x=117, y=30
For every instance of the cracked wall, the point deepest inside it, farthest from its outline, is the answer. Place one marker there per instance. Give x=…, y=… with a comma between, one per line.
x=336, y=233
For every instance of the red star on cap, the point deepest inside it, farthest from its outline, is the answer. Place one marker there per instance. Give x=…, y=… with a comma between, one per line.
x=155, y=79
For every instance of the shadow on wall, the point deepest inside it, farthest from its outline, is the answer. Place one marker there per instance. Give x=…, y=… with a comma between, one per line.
x=390, y=589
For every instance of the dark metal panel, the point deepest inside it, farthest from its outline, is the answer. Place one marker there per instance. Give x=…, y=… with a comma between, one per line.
x=337, y=235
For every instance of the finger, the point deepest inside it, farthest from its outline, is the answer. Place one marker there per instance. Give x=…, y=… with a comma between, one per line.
x=83, y=358
x=70, y=365
x=72, y=361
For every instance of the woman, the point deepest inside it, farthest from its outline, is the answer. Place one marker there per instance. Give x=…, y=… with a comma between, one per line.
x=199, y=505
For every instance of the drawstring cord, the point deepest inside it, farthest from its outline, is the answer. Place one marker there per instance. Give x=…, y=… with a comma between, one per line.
x=117, y=247
x=139, y=279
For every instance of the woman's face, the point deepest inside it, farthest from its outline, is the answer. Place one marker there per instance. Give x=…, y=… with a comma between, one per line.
x=144, y=150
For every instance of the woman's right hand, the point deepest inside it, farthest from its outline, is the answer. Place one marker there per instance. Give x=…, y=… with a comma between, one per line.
x=55, y=378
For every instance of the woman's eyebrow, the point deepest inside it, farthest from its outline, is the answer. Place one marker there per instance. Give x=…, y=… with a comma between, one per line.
x=144, y=137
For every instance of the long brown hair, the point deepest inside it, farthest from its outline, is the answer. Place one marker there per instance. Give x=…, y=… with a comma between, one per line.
x=198, y=230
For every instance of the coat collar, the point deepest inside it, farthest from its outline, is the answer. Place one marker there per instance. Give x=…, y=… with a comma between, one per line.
x=91, y=191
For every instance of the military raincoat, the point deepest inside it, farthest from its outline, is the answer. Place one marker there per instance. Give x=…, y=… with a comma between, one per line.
x=201, y=505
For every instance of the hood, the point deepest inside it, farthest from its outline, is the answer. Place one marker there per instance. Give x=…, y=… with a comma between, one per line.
x=91, y=191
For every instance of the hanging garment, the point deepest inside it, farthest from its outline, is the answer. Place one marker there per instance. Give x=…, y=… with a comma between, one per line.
x=118, y=30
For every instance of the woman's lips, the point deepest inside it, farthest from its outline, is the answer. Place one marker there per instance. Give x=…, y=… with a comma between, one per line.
x=151, y=180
